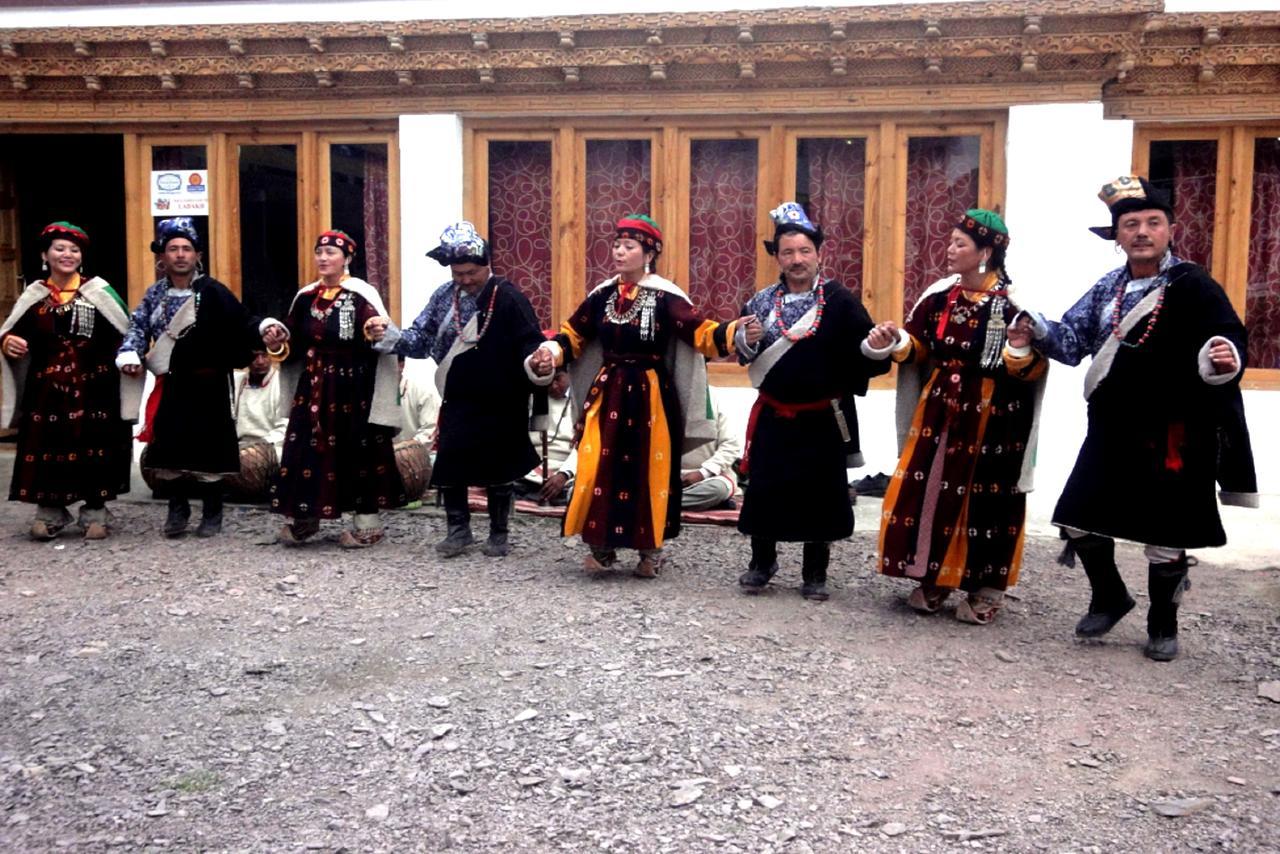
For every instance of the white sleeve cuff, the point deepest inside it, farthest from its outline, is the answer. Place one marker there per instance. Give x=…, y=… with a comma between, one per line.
x=1018, y=352
x=127, y=357
x=881, y=353
x=554, y=349
x=390, y=338
x=1206, y=367
x=1039, y=328
x=740, y=342
x=268, y=322
x=570, y=465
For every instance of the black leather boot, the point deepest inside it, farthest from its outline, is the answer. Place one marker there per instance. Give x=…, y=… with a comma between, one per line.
x=211, y=511
x=175, y=524
x=1110, y=599
x=764, y=563
x=814, y=571
x=501, y=497
x=458, y=517
x=1166, y=584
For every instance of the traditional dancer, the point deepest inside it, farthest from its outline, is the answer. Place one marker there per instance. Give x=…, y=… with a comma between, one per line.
x=342, y=403
x=63, y=393
x=806, y=365
x=635, y=350
x=954, y=512
x=1166, y=418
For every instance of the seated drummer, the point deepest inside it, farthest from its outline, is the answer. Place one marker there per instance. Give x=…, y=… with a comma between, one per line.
x=257, y=404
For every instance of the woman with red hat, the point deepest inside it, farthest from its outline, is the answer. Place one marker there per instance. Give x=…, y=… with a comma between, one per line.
x=344, y=411
x=62, y=391
x=636, y=352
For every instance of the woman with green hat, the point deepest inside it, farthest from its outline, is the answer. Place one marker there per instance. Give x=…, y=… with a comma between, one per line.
x=954, y=511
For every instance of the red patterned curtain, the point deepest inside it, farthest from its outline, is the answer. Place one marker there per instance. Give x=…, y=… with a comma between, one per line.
x=520, y=218
x=618, y=183
x=1262, y=297
x=1188, y=171
x=376, y=223
x=942, y=183
x=722, y=225
x=831, y=186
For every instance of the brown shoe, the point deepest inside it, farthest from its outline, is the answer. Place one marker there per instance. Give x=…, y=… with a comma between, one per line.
x=649, y=566
x=96, y=531
x=981, y=607
x=297, y=533
x=354, y=539
x=598, y=563
x=927, y=599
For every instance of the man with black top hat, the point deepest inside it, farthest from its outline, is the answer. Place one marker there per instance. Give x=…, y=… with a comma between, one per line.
x=803, y=429
x=479, y=328
x=191, y=332
x=1165, y=415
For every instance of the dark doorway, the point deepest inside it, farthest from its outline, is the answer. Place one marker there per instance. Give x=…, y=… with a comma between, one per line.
x=73, y=177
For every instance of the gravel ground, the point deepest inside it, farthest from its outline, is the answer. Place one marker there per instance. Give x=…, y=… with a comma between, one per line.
x=234, y=695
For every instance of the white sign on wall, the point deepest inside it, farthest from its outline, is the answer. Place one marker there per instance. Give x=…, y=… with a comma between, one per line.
x=180, y=191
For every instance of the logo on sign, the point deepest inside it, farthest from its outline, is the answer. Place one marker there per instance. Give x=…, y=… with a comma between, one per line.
x=169, y=182
x=195, y=183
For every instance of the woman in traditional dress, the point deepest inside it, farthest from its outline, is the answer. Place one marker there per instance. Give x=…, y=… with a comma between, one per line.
x=191, y=332
x=63, y=393
x=338, y=452
x=954, y=511
x=635, y=350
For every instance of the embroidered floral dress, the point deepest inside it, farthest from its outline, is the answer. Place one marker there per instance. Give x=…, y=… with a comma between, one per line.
x=632, y=427
x=72, y=444
x=953, y=515
x=334, y=460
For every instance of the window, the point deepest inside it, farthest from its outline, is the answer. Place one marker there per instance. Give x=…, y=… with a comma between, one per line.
x=1225, y=186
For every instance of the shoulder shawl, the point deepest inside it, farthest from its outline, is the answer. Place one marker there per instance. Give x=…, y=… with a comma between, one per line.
x=384, y=409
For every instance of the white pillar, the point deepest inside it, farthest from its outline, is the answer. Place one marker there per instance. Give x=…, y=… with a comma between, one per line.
x=1059, y=156
x=431, y=165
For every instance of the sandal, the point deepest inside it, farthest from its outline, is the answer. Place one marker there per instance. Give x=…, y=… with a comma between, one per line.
x=981, y=607
x=361, y=539
x=928, y=599
x=599, y=562
x=296, y=533
x=44, y=530
x=649, y=566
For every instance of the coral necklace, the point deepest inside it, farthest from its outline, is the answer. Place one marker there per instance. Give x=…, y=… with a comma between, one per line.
x=1116, y=317
x=457, y=315
x=782, y=327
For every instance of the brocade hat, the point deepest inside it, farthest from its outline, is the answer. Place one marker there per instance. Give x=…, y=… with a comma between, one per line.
x=790, y=218
x=985, y=227
x=340, y=239
x=63, y=230
x=642, y=229
x=168, y=229
x=1127, y=194
x=461, y=244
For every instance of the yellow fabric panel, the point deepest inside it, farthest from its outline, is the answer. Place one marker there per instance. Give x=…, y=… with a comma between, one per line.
x=67, y=294
x=917, y=352
x=704, y=338
x=1015, y=562
x=659, y=459
x=1017, y=366
x=890, y=502
x=575, y=517
x=576, y=341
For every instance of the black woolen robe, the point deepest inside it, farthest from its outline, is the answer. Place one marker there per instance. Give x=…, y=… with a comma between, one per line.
x=797, y=486
x=1158, y=435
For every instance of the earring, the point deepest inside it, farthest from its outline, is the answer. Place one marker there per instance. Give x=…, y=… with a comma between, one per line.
x=982, y=267
x=346, y=266
x=1115, y=247
x=44, y=265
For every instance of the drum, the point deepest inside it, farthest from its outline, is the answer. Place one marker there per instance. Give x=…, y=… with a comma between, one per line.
x=414, y=463
x=258, y=464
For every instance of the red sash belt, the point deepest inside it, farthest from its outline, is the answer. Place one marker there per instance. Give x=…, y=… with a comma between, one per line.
x=153, y=406
x=784, y=410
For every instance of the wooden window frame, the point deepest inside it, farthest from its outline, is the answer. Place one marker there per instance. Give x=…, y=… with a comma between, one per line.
x=1233, y=206
x=221, y=146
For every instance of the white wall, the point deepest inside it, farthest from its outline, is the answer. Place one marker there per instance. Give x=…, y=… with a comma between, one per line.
x=430, y=199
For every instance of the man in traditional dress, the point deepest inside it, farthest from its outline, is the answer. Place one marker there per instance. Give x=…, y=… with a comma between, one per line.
x=803, y=428
x=192, y=331
x=561, y=457
x=479, y=328
x=707, y=478
x=1165, y=415
x=257, y=403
